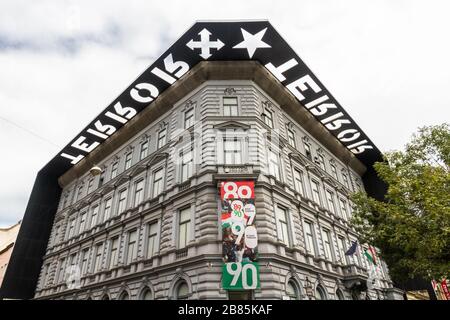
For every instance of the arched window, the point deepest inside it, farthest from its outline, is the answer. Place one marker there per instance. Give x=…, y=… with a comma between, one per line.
x=182, y=291
x=147, y=294
x=320, y=293
x=105, y=297
x=340, y=294
x=292, y=290
x=124, y=296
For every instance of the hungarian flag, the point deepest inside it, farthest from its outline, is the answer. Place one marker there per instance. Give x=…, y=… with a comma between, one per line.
x=226, y=220
x=370, y=255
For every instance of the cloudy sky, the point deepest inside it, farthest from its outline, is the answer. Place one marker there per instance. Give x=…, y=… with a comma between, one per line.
x=62, y=62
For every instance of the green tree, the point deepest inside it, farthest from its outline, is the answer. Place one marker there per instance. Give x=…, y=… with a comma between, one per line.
x=412, y=226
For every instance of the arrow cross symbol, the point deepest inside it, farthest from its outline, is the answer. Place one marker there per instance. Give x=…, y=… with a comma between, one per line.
x=205, y=45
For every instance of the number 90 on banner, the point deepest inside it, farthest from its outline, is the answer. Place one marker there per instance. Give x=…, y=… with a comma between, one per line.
x=240, y=276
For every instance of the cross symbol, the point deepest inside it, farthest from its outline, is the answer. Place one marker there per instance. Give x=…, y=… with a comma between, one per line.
x=204, y=44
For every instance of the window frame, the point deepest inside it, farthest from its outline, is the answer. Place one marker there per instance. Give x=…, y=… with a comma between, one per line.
x=277, y=164
x=130, y=257
x=187, y=224
x=268, y=120
x=189, y=121
x=189, y=165
x=283, y=226
x=143, y=151
x=310, y=245
x=138, y=193
x=114, y=169
x=128, y=160
x=230, y=106
x=161, y=141
x=121, y=200
x=157, y=191
x=316, y=183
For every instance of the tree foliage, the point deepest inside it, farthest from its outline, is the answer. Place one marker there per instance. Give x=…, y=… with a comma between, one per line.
x=412, y=226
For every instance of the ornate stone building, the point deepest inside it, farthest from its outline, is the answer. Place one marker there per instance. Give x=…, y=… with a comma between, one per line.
x=148, y=226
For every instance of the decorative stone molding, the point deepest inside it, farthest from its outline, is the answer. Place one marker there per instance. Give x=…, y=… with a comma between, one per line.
x=229, y=91
x=290, y=126
x=162, y=125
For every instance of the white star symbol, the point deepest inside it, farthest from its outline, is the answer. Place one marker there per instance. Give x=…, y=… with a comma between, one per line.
x=252, y=42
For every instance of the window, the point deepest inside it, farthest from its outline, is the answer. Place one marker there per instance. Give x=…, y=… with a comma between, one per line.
x=84, y=261
x=158, y=183
x=122, y=201
x=90, y=185
x=182, y=291
x=147, y=294
x=320, y=161
x=340, y=294
x=291, y=138
x=107, y=213
x=71, y=228
x=326, y=244
x=114, y=170
x=292, y=290
x=45, y=275
x=151, y=239
x=341, y=246
x=101, y=179
x=268, y=117
x=79, y=193
x=144, y=150
x=307, y=150
x=56, y=236
x=189, y=118
x=162, y=137
x=343, y=205
x=230, y=106
x=345, y=179
x=330, y=201
x=94, y=216
x=66, y=199
x=124, y=296
x=61, y=270
x=184, y=226
x=334, y=171
x=132, y=246
x=320, y=293
x=73, y=259
x=128, y=159
x=186, y=164
x=309, y=237
x=274, y=168
x=232, y=150
x=83, y=222
x=298, y=182
x=138, y=192
x=315, y=191
x=113, y=252
x=98, y=257
x=283, y=230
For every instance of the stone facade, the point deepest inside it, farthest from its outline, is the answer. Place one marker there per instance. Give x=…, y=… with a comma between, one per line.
x=119, y=235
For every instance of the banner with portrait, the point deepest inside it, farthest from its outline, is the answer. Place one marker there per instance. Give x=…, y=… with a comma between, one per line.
x=239, y=236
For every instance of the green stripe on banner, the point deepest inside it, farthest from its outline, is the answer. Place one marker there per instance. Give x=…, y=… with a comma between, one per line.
x=369, y=257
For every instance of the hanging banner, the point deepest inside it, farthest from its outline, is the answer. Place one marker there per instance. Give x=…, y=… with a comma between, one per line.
x=239, y=236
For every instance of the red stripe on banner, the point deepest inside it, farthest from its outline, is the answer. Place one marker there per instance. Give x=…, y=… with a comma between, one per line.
x=445, y=289
x=374, y=254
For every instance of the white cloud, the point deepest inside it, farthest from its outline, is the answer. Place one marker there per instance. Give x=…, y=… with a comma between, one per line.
x=62, y=62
